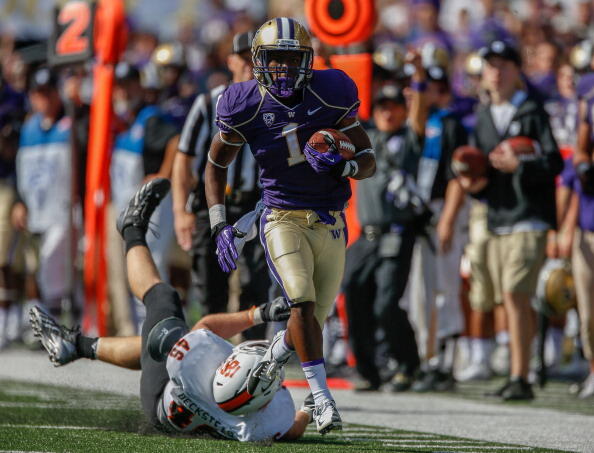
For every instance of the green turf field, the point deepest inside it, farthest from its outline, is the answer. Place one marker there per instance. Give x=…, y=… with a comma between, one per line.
x=36, y=417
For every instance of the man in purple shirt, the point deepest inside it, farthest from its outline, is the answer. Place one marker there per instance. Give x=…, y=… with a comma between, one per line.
x=304, y=192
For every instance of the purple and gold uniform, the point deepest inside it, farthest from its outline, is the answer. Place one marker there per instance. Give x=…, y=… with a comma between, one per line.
x=302, y=229
x=277, y=133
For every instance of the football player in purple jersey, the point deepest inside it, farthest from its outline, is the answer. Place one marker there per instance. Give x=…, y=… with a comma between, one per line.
x=304, y=192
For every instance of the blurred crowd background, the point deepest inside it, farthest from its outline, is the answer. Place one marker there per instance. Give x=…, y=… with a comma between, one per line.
x=180, y=49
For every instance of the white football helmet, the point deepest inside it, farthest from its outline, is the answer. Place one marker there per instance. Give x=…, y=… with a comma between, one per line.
x=229, y=386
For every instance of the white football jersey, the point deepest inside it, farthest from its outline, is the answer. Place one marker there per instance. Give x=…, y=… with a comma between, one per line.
x=44, y=183
x=187, y=404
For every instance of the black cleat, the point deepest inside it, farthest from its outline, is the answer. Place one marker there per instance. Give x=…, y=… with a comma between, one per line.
x=518, y=390
x=142, y=205
x=498, y=392
x=58, y=341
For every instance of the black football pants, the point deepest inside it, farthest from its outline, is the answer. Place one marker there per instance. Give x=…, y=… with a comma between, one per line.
x=161, y=302
x=373, y=287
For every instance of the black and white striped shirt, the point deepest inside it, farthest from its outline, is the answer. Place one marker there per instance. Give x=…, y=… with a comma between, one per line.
x=196, y=136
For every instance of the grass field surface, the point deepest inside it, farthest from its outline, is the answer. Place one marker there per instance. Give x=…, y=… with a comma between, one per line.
x=46, y=418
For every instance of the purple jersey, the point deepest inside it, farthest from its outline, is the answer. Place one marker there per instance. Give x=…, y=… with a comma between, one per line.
x=585, y=86
x=586, y=206
x=277, y=134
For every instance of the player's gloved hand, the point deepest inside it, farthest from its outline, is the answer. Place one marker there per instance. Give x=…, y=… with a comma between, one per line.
x=585, y=173
x=224, y=235
x=324, y=162
x=308, y=406
x=275, y=310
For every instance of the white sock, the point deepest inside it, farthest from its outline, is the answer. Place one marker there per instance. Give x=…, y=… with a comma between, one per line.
x=502, y=338
x=481, y=350
x=554, y=346
x=447, y=354
x=15, y=324
x=315, y=373
x=281, y=350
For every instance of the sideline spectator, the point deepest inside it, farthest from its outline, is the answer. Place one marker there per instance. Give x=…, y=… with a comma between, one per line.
x=520, y=195
x=378, y=263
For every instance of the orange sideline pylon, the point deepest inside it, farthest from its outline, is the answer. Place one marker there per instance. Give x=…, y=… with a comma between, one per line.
x=110, y=40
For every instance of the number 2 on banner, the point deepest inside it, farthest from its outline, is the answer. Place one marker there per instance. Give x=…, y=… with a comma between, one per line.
x=296, y=156
x=75, y=16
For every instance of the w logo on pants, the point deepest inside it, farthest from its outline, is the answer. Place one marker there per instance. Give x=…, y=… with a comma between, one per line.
x=335, y=234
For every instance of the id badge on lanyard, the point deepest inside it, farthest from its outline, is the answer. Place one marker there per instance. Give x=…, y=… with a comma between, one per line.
x=426, y=175
x=429, y=162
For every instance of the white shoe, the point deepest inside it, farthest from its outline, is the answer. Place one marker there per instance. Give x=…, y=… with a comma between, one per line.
x=475, y=372
x=327, y=417
x=587, y=388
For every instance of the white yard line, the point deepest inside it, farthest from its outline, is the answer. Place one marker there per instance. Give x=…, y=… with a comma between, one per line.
x=91, y=428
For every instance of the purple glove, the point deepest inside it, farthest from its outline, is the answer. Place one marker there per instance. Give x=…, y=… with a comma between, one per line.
x=225, y=235
x=329, y=162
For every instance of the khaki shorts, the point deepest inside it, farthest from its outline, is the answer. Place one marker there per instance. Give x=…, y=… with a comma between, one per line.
x=481, y=295
x=514, y=262
x=7, y=234
x=305, y=256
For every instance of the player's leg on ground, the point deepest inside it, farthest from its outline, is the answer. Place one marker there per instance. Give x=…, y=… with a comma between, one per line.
x=160, y=299
x=142, y=272
x=120, y=351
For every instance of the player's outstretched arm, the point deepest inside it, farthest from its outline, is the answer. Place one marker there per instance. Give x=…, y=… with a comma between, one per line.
x=365, y=158
x=303, y=417
x=226, y=325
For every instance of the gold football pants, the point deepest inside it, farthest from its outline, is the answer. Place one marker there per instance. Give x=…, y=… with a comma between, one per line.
x=305, y=255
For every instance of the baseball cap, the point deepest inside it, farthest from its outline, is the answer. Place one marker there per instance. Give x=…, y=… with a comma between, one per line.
x=437, y=74
x=435, y=3
x=125, y=71
x=501, y=49
x=243, y=41
x=43, y=78
x=389, y=92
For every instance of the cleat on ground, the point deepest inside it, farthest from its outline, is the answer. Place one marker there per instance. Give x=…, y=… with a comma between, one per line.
x=143, y=204
x=327, y=417
x=58, y=341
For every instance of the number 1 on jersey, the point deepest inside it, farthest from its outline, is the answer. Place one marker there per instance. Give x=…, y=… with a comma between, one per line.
x=296, y=156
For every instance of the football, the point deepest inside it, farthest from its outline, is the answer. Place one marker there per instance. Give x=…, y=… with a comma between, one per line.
x=470, y=162
x=520, y=145
x=322, y=140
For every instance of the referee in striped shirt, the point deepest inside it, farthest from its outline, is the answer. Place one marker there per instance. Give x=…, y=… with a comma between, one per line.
x=192, y=225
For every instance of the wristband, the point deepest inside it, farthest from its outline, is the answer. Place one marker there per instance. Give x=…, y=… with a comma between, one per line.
x=351, y=168
x=255, y=315
x=365, y=151
x=350, y=126
x=217, y=215
x=420, y=87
